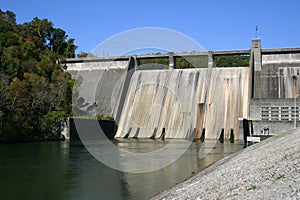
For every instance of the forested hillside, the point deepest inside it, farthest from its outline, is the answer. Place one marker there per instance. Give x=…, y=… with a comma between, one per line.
x=35, y=92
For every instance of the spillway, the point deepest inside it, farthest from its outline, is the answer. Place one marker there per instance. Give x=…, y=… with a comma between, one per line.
x=181, y=103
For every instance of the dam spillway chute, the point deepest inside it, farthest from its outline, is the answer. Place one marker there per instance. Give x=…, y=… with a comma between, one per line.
x=159, y=99
x=184, y=102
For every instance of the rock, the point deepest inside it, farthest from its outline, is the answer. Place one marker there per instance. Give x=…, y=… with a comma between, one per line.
x=268, y=170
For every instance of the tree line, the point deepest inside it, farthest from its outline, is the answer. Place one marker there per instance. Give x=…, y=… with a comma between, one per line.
x=196, y=62
x=35, y=92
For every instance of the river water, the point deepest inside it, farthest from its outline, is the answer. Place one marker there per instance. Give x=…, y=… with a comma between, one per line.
x=66, y=170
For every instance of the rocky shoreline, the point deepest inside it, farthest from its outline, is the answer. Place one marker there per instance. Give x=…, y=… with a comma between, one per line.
x=268, y=170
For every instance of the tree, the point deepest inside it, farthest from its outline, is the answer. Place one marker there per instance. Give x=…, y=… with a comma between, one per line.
x=82, y=55
x=7, y=21
x=59, y=44
x=232, y=60
x=69, y=51
x=35, y=92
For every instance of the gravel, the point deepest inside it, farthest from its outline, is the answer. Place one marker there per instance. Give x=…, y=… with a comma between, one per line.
x=268, y=170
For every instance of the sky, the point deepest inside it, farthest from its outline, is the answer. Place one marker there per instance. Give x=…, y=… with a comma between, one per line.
x=214, y=24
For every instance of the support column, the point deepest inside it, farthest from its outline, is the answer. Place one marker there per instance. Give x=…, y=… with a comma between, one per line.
x=256, y=50
x=172, y=61
x=256, y=68
x=210, y=59
x=136, y=63
x=130, y=71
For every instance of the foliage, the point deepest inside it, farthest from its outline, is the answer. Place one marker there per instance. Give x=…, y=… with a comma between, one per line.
x=196, y=62
x=154, y=63
x=102, y=117
x=35, y=92
x=82, y=55
x=232, y=61
x=85, y=55
x=191, y=62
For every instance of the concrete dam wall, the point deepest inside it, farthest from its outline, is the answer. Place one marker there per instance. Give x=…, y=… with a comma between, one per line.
x=96, y=83
x=190, y=103
x=279, y=76
x=182, y=103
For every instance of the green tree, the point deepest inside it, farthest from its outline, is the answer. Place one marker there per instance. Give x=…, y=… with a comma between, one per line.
x=8, y=21
x=36, y=31
x=59, y=44
x=35, y=91
x=69, y=51
x=232, y=60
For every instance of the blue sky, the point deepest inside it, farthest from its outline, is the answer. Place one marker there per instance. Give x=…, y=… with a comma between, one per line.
x=215, y=24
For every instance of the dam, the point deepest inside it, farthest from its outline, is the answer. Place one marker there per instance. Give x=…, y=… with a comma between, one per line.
x=184, y=102
x=208, y=101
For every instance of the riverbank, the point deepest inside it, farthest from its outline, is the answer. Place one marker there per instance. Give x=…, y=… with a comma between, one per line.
x=268, y=170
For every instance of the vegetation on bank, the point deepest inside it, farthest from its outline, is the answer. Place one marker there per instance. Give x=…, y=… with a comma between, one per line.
x=103, y=117
x=35, y=92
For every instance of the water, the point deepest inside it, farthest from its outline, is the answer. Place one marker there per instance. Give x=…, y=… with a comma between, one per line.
x=65, y=170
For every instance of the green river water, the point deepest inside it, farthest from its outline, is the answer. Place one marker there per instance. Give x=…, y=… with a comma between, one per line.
x=66, y=170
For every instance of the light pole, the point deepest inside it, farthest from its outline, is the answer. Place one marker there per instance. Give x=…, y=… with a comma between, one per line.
x=295, y=116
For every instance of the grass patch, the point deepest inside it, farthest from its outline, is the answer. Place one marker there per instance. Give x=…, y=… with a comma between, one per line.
x=280, y=176
x=253, y=187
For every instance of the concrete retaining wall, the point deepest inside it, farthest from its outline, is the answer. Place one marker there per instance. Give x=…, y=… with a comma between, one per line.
x=109, y=128
x=279, y=76
x=100, y=85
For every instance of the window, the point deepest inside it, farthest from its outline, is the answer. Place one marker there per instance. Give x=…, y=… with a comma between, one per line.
x=284, y=108
x=265, y=117
x=274, y=108
x=284, y=111
x=285, y=117
x=295, y=108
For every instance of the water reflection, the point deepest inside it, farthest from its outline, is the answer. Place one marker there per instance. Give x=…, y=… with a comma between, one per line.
x=62, y=170
x=33, y=171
